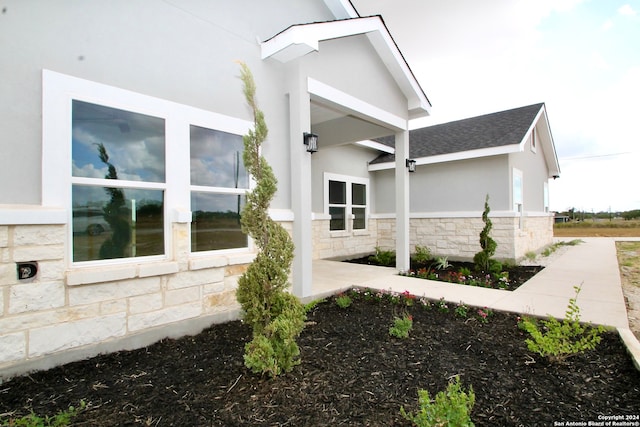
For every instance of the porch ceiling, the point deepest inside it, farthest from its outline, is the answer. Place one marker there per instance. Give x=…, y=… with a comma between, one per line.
x=336, y=127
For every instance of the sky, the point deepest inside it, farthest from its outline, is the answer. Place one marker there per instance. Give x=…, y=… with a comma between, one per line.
x=580, y=57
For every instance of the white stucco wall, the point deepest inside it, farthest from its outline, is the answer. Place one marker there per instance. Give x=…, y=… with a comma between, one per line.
x=186, y=55
x=347, y=160
x=535, y=173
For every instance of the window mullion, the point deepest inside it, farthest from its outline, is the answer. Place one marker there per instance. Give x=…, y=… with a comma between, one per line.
x=118, y=183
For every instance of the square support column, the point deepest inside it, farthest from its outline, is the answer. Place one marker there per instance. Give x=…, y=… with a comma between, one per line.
x=403, y=255
x=300, y=122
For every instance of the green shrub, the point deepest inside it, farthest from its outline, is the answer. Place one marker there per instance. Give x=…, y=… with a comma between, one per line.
x=450, y=408
x=61, y=419
x=275, y=316
x=343, y=301
x=483, y=260
x=422, y=255
x=401, y=326
x=384, y=258
x=313, y=304
x=464, y=271
x=559, y=340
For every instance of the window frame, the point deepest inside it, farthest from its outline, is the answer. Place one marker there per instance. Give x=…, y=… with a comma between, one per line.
x=211, y=189
x=349, y=205
x=518, y=202
x=59, y=90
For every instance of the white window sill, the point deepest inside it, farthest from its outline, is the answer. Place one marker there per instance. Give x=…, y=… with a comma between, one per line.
x=112, y=273
x=342, y=233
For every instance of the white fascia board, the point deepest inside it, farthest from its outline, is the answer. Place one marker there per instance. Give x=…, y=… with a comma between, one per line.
x=376, y=146
x=341, y=9
x=299, y=40
x=355, y=106
x=463, y=155
x=388, y=51
x=381, y=166
x=292, y=43
x=533, y=124
x=549, y=147
x=310, y=35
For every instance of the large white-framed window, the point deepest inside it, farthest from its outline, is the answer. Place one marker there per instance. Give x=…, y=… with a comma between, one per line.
x=127, y=165
x=219, y=182
x=346, y=201
x=118, y=183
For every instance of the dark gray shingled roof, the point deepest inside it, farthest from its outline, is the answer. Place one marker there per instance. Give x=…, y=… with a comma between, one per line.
x=488, y=131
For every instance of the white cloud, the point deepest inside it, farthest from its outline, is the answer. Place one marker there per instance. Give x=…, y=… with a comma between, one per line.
x=627, y=10
x=607, y=25
x=476, y=57
x=597, y=61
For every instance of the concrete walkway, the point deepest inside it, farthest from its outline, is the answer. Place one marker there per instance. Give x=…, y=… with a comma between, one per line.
x=593, y=265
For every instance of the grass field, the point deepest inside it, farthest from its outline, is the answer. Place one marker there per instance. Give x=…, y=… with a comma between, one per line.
x=602, y=228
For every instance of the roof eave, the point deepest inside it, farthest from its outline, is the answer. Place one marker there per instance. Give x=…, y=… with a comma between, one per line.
x=452, y=157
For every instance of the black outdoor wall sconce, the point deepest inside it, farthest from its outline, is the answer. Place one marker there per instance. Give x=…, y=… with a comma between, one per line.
x=311, y=141
x=411, y=165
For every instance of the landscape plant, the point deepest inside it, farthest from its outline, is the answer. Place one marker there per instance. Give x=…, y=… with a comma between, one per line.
x=462, y=310
x=275, y=315
x=484, y=314
x=384, y=257
x=557, y=340
x=401, y=326
x=313, y=304
x=451, y=407
x=61, y=419
x=442, y=263
x=422, y=255
x=483, y=260
x=442, y=305
x=343, y=301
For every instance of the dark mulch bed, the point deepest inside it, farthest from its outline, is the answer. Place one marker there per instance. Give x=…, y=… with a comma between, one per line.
x=352, y=373
x=517, y=274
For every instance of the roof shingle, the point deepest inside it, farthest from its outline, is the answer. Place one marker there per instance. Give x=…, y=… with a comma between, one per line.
x=490, y=130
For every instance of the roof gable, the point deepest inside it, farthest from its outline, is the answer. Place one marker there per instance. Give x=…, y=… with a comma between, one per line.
x=491, y=134
x=299, y=40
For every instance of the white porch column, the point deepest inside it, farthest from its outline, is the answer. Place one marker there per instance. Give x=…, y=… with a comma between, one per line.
x=402, y=201
x=300, y=122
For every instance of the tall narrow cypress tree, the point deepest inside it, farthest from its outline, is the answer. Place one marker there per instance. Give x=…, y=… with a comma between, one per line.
x=275, y=315
x=483, y=260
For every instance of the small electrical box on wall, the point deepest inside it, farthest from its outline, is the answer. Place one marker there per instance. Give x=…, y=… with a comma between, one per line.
x=27, y=270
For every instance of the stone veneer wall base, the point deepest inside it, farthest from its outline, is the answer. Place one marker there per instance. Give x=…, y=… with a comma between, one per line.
x=134, y=341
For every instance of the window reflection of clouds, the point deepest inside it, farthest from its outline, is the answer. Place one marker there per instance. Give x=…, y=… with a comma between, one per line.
x=134, y=142
x=215, y=155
